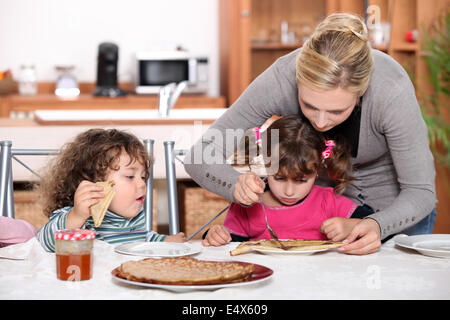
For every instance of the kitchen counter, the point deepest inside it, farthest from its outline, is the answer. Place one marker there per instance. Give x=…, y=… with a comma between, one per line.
x=8, y=122
x=16, y=104
x=127, y=116
x=28, y=134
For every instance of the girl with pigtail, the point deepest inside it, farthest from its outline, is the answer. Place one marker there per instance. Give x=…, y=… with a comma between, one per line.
x=296, y=207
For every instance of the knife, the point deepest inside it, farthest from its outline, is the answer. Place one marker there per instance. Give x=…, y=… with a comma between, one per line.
x=211, y=220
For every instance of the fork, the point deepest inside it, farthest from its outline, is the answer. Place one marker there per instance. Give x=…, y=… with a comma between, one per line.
x=272, y=233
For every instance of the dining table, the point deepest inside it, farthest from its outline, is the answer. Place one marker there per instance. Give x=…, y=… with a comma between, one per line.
x=28, y=272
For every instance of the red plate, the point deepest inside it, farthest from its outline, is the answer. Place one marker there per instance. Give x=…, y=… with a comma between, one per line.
x=260, y=274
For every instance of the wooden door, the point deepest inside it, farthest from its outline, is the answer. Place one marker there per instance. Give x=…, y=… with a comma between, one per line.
x=241, y=22
x=234, y=39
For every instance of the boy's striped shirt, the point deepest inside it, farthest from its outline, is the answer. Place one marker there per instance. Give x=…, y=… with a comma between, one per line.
x=114, y=228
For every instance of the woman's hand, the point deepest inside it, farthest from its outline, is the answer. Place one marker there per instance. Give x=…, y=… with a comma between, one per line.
x=216, y=236
x=248, y=188
x=179, y=237
x=86, y=195
x=363, y=239
x=337, y=228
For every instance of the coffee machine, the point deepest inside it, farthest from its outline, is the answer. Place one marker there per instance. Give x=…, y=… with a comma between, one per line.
x=108, y=55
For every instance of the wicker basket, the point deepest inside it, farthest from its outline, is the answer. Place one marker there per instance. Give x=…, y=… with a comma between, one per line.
x=200, y=206
x=26, y=207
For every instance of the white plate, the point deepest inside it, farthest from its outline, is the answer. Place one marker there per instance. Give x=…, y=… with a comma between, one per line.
x=299, y=252
x=434, y=245
x=306, y=252
x=157, y=249
x=260, y=274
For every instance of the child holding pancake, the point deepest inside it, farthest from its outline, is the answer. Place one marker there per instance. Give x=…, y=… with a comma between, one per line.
x=69, y=189
x=296, y=208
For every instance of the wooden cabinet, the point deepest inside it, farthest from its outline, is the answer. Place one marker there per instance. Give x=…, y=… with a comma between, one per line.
x=405, y=16
x=254, y=33
x=250, y=33
x=250, y=40
x=234, y=47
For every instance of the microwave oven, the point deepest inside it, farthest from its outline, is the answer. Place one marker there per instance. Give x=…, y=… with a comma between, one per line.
x=156, y=69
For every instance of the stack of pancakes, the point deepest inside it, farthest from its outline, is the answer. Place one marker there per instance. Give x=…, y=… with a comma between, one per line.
x=185, y=271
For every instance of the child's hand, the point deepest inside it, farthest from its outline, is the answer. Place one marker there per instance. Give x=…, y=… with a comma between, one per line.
x=86, y=195
x=216, y=236
x=337, y=228
x=179, y=237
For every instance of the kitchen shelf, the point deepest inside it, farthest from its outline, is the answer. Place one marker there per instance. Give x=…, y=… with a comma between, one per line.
x=407, y=47
x=381, y=47
x=260, y=45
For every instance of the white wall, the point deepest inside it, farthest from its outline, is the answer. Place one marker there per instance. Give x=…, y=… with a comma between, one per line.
x=52, y=32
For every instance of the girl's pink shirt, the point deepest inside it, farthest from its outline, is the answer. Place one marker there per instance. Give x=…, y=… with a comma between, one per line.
x=300, y=221
x=13, y=231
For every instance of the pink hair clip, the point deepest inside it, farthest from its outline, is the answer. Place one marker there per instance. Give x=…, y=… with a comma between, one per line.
x=258, y=136
x=327, y=152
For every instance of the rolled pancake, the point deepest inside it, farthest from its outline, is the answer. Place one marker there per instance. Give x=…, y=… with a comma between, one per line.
x=289, y=245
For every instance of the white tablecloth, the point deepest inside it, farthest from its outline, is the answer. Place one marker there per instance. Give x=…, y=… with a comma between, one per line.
x=391, y=273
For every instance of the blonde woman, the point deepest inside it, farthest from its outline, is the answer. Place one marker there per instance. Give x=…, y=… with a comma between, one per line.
x=343, y=88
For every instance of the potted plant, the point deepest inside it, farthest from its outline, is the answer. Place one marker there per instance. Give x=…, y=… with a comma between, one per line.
x=435, y=100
